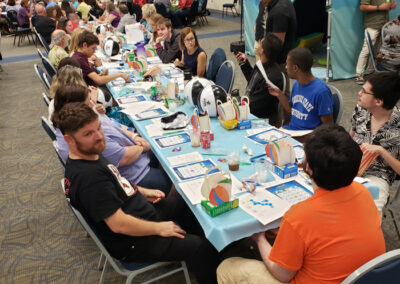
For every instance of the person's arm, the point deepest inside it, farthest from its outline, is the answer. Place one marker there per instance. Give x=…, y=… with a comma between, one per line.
x=122, y=223
x=327, y=119
x=152, y=195
x=244, y=65
x=201, y=64
x=280, y=273
x=110, y=18
x=386, y=155
x=381, y=7
x=282, y=98
x=101, y=80
x=132, y=153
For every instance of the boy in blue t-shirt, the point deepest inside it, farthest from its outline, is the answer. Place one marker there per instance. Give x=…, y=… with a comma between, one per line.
x=310, y=102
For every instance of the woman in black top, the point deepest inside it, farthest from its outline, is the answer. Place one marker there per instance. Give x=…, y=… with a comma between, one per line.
x=193, y=56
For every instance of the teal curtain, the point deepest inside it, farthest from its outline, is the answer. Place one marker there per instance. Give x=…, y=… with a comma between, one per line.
x=250, y=12
x=347, y=36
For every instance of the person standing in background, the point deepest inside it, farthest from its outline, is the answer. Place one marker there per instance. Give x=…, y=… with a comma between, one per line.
x=376, y=14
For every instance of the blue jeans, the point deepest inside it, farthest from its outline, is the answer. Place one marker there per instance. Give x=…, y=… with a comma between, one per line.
x=156, y=178
x=179, y=16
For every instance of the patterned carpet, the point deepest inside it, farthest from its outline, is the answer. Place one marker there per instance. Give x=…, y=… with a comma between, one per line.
x=40, y=239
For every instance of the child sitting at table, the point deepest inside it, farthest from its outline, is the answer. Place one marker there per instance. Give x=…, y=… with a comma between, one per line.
x=193, y=56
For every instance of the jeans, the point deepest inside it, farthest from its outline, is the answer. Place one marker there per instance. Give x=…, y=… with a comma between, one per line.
x=156, y=178
x=178, y=17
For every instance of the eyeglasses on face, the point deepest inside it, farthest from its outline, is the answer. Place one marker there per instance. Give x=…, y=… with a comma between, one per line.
x=363, y=91
x=189, y=39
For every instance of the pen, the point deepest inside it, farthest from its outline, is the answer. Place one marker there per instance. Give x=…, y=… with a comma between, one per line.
x=173, y=132
x=213, y=154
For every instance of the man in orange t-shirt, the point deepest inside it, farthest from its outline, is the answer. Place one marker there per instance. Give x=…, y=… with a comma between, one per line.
x=326, y=237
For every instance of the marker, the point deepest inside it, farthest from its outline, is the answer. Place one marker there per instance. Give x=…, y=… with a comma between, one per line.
x=213, y=154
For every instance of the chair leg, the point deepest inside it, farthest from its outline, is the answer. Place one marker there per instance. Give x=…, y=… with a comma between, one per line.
x=185, y=272
x=15, y=37
x=237, y=14
x=103, y=273
x=100, y=265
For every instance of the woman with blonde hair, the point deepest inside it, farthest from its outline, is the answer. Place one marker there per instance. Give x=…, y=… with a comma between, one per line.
x=73, y=46
x=113, y=16
x=193, y=56
x=153, y=24
x=148, y=10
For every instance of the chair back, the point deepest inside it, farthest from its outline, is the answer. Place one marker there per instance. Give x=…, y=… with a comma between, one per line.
x=58, y=153
x=12, y=15
x=382, y=269
x=203, y=8
x=46, y=99
x=13, y=26
x=225, y=75
x=49, y=128
x=216, y=59
x=51, y=71
x=337, y=103
x=193, y=9
x=43, y=77
x=42, y=41
x=371, y=49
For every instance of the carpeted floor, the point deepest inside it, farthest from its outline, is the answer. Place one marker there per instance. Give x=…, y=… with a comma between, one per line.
x=40, y=239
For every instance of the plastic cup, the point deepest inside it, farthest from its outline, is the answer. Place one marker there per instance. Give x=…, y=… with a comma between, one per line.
x=233, y=161
x=195, y=137
x=261, y=169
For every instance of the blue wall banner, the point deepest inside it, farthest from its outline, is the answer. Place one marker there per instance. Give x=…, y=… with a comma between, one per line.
x=250, y=12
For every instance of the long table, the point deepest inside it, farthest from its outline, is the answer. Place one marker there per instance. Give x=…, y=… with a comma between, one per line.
x=233, y=225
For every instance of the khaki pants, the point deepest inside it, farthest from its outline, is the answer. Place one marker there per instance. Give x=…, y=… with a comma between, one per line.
x=364, y=54
x=383, y=191
x=237, y=270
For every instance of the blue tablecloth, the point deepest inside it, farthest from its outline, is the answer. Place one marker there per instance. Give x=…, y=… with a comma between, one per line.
x=236, y=224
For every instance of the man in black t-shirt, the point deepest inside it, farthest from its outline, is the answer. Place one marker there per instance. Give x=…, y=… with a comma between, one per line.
x=43, y=24
x=282, y=22
x=134, y=223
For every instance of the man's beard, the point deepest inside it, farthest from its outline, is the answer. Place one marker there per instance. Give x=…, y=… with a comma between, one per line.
x=96, y=149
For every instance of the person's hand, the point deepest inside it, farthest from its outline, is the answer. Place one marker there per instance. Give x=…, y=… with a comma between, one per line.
x=259, y=237
x=96, y=61
x=274, y=91
x=140, y=141
x=152, y=195
x=125, y=77
x=154, y=70
x=240, y=57
x=380, y=56
x=179, y=63
x=170, y=229
x=93, y=93
x=373, y=148
x=100, y=109
x=143, y=28
x=104, y=72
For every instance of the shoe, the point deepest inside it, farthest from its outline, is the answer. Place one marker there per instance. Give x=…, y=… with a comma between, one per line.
x=360, y=80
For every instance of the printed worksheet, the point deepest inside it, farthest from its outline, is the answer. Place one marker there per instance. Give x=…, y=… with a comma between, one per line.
x=266, y=136
x=131, y=99
x=194, y=170
x=291, y=190
x=185, y=158
x=172, y=140
x=192, y=190
x=263, y=205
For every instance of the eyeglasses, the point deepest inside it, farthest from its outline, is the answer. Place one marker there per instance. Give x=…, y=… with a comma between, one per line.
x=188, y=39
x=363, y=91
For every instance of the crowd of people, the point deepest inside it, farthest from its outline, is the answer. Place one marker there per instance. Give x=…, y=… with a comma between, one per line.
x=113, y=178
